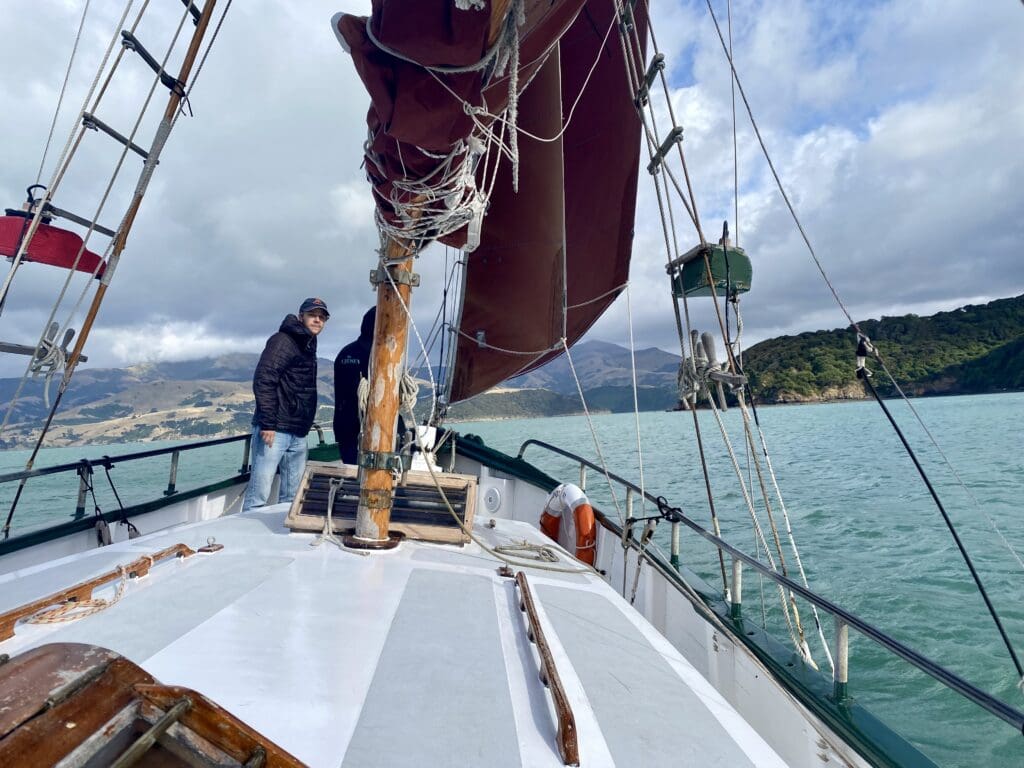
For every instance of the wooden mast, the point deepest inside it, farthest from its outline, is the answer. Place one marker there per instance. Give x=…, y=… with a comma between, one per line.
x=377, y=442
x=390, y=338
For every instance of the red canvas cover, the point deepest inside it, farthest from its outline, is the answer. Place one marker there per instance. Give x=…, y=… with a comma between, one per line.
x=410, y=109
x=573, y=213
x=50, y=245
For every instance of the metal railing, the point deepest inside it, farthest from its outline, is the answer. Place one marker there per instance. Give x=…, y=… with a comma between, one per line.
x=844, y=620
x=84, y=467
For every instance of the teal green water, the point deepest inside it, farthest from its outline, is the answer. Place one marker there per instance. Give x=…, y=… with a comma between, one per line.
x=870, y=537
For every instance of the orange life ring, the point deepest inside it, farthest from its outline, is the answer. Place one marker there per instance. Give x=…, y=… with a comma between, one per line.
x=586, y=531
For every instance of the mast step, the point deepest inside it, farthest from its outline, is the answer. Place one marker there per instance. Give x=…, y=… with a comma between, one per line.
x=60, y=213
x=194, y=10
x=173, y=84
x=656, y=66
x=93, y=123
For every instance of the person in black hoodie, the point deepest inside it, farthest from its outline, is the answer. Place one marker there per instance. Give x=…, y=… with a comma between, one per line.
x=285, y=388
x=351, y=364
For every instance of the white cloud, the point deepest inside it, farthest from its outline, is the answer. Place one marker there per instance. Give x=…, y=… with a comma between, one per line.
x=353, y=208
x=898, y=143
x=170, y=341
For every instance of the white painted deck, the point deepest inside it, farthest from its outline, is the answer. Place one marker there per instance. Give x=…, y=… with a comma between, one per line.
x=418, y=656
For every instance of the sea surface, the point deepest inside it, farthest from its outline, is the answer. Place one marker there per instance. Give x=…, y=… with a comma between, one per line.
x=869, y=534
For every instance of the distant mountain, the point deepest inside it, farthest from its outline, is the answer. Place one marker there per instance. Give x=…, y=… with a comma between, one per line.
x=213, y=396
x=599, y=363
x=973, y=349
x=148, y=401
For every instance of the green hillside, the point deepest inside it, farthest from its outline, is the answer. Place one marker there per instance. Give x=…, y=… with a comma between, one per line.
x=973, y=349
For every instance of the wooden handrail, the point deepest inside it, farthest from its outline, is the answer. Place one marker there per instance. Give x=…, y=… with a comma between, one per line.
x=568, y=745
x=83, y=590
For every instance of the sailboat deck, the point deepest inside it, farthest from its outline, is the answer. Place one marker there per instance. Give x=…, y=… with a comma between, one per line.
x=417, y=656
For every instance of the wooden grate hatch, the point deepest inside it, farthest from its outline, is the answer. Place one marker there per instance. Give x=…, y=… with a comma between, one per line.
x=418, y=509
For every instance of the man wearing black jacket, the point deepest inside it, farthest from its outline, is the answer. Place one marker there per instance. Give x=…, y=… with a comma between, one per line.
x=351, y=364
x=285, y=388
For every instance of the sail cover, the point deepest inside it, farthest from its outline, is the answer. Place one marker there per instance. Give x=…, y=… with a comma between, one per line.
x=555, y=254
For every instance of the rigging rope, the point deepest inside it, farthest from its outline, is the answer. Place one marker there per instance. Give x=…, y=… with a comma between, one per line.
x=877, y=356
x=63, y=87
x=796, y=632
x=66, y=155
x=864, y=375
x=493, y=551
x=593, y=432
x=632, y=57
x=58, y=176
x=636, y=403
x=671, y=248
x=118, y=242
x=735, y=153
x=782, y=506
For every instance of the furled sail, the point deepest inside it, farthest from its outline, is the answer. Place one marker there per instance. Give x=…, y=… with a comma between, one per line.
x=549, y=258
x=513, y=300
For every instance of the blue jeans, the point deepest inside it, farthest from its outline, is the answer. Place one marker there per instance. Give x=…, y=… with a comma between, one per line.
x=289, y=453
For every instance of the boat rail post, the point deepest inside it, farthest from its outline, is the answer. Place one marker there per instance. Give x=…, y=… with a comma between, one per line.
x=583, y=477
x=247, y=446
x=841, y=675
x=83, y=489
x=173, y=479
x=319, y=435
x=736, y=598
x=674, y=554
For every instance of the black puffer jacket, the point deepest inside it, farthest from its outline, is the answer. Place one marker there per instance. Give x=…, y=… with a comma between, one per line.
x=285, y=380
x=351, y=364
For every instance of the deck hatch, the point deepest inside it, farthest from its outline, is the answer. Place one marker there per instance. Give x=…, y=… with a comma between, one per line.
x=418, y=510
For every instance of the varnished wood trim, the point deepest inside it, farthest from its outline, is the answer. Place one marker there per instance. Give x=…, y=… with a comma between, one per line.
x=218, y=726
x=83, y=590
x=568, y=744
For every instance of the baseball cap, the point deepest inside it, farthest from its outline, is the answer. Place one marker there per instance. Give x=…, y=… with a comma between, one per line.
x=314, y=303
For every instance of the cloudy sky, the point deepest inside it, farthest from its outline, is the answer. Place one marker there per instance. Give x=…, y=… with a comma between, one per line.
x=896, y=126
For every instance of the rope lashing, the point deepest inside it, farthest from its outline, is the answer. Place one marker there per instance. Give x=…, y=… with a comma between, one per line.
x=79, y=609
x=408, y=393
x=362, y=397
x=327, y=534
x=50, y=359
x=448, y=199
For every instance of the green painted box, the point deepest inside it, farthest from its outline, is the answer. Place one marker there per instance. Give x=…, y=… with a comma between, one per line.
x=730, y=268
